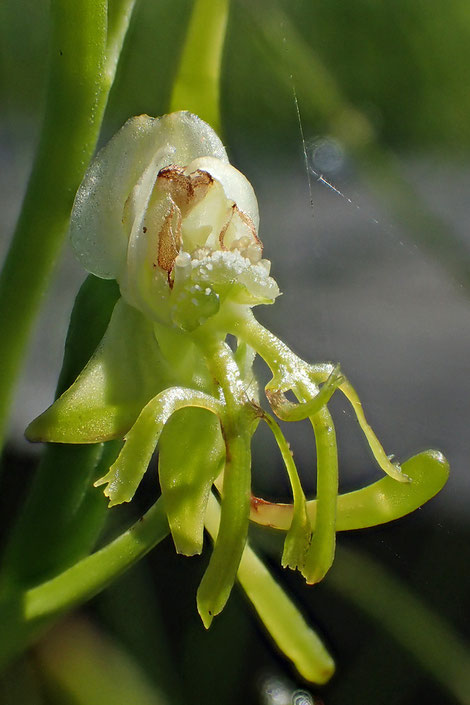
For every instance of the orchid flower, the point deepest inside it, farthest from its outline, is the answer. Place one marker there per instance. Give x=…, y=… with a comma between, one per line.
x=162, y=211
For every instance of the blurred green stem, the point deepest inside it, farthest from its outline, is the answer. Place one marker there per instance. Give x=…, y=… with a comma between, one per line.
x=416, y=627
x=63, y=513
x=26, y=614
x=83, y=59
x=71, y=658
x=197, y=83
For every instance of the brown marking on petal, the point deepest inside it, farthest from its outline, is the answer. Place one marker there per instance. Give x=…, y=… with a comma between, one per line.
x=171, y=171
x=169, y=239
x=256, y=502
x=257, y=410
x=275, y=397
x=247, y=220
x=144, y=229
x=225, y=227
x=172, y=180
x=185, y=190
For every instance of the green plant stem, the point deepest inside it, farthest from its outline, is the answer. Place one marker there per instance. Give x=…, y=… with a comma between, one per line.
x=63, y=513
x=25, y=615
x=237, y=428
x=82, y=67
x=197, y=83
x=416, y=627
x=71, y=659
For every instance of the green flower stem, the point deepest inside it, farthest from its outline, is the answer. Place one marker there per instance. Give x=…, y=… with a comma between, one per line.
x=278, y=613
x=71, y=659
x=197, y=83
x=25, y=615
x=50, y=533
x=413, y=625
x=237, y=426
x=277, y=355
x=321, y=553
x=81, y=74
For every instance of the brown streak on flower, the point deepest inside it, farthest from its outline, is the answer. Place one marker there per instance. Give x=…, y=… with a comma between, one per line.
x=224, y=229
x=169, y=240
x=281, y=406
x=256, y=502
x=247, y=220
x=235, y=211
x=185, y=191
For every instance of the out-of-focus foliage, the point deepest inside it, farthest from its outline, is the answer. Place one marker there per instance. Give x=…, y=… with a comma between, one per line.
x=398, y=58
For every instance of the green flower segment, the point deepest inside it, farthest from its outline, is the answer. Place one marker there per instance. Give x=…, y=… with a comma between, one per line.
x=163, y=212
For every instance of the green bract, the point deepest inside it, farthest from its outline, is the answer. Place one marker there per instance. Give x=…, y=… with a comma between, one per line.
x=163, y=212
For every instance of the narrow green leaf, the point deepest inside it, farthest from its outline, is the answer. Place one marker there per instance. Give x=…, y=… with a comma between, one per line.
x=197, y=83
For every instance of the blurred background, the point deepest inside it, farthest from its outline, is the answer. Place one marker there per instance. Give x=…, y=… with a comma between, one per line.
x=352, y=121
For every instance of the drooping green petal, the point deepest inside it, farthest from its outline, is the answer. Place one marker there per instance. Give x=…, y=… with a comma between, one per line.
x=191, y=455
x=321, y=552
x=217, y=582
x=385, y=462
x=125, y=474
x=96, y=229
x=299, y=533
x=126, y=371
x=279, y=614
x=379, y=503
x=393, y=469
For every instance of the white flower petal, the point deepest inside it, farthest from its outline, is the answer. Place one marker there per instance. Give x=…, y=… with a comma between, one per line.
x=236, y=186
x=96, y=228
